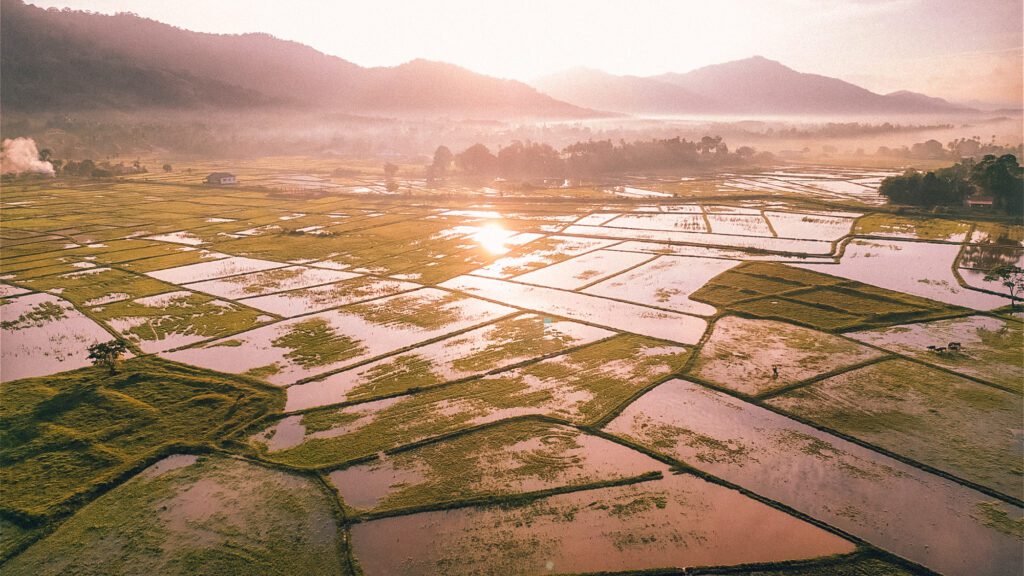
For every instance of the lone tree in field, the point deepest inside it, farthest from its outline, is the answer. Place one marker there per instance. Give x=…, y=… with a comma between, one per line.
x=107, y=354
x=443, y=158
x=1010, y=276
x=390, y=170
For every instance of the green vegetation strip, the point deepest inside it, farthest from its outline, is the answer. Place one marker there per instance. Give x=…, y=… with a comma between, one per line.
x=814, y=300
x=63, y=440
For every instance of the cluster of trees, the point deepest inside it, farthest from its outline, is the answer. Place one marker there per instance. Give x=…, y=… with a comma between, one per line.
x=939, y=188
x=90, y=169
x=971, y=147
x=104, y=169
x=1000, y=178
x=590, y=158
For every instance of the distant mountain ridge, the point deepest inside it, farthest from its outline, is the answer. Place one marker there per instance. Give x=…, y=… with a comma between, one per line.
x=66, y=60
x=754, y=85
x=71, y=60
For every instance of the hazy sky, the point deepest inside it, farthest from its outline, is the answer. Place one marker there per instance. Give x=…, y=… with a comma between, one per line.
x=957, y=49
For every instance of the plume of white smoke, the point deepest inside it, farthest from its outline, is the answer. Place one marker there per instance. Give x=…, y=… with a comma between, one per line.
x=20, y=155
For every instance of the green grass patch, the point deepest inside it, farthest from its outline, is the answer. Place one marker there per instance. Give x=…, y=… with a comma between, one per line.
x=313, y=343
x=778, y=308
x=184, y=314
x=62, y=436
x=920, y=228
x=813, y=299
x=412, y=309
x=91, y=288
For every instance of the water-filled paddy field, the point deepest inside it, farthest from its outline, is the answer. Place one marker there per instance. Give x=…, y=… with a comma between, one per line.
x=750, y=374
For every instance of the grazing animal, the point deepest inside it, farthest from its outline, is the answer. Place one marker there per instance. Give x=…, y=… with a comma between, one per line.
x=955, y=346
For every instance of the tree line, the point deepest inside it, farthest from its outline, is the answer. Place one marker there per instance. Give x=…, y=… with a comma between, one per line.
x=591, y=158
x=91, y=169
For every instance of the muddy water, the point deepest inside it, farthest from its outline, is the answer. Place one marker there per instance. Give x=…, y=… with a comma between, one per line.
x=919, y=516
x=741, y=354
x=985, y=257
x=677, y=522
x=557, y=248
x=363, y=487
x=172, y=462
x=596, y=219
x=976, y=279
x=186, y=238
x=659, y=221
x=6, y=291
x=951, y=423
x=809, y=226
x=743, y=225
x=710, y=252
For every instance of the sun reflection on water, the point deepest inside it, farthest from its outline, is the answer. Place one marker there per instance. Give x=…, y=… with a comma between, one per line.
x=492, y=238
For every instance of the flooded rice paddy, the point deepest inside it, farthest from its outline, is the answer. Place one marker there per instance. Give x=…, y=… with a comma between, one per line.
x=924, y=269
x=951, y=423
x=287, y=351
x=987, y=348
x=42, y=334
x=757, y=356
x=608, y=313
x=475, y=352
x=508, y=459
x=627, y=378
x=926, y=518
x=677, y=522
x=186, y=514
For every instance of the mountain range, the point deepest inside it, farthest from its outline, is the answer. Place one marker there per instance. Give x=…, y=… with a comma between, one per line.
x=65, y=60
x=754, y=85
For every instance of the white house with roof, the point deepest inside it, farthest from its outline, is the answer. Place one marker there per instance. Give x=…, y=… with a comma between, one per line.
x=221, y=178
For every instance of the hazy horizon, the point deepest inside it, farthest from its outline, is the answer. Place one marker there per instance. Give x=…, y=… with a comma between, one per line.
x=968, y=53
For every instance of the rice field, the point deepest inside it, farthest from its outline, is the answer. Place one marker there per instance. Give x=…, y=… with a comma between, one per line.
x=736, y=373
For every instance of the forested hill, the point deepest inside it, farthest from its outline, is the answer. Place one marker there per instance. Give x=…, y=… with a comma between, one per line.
x=65, y=60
